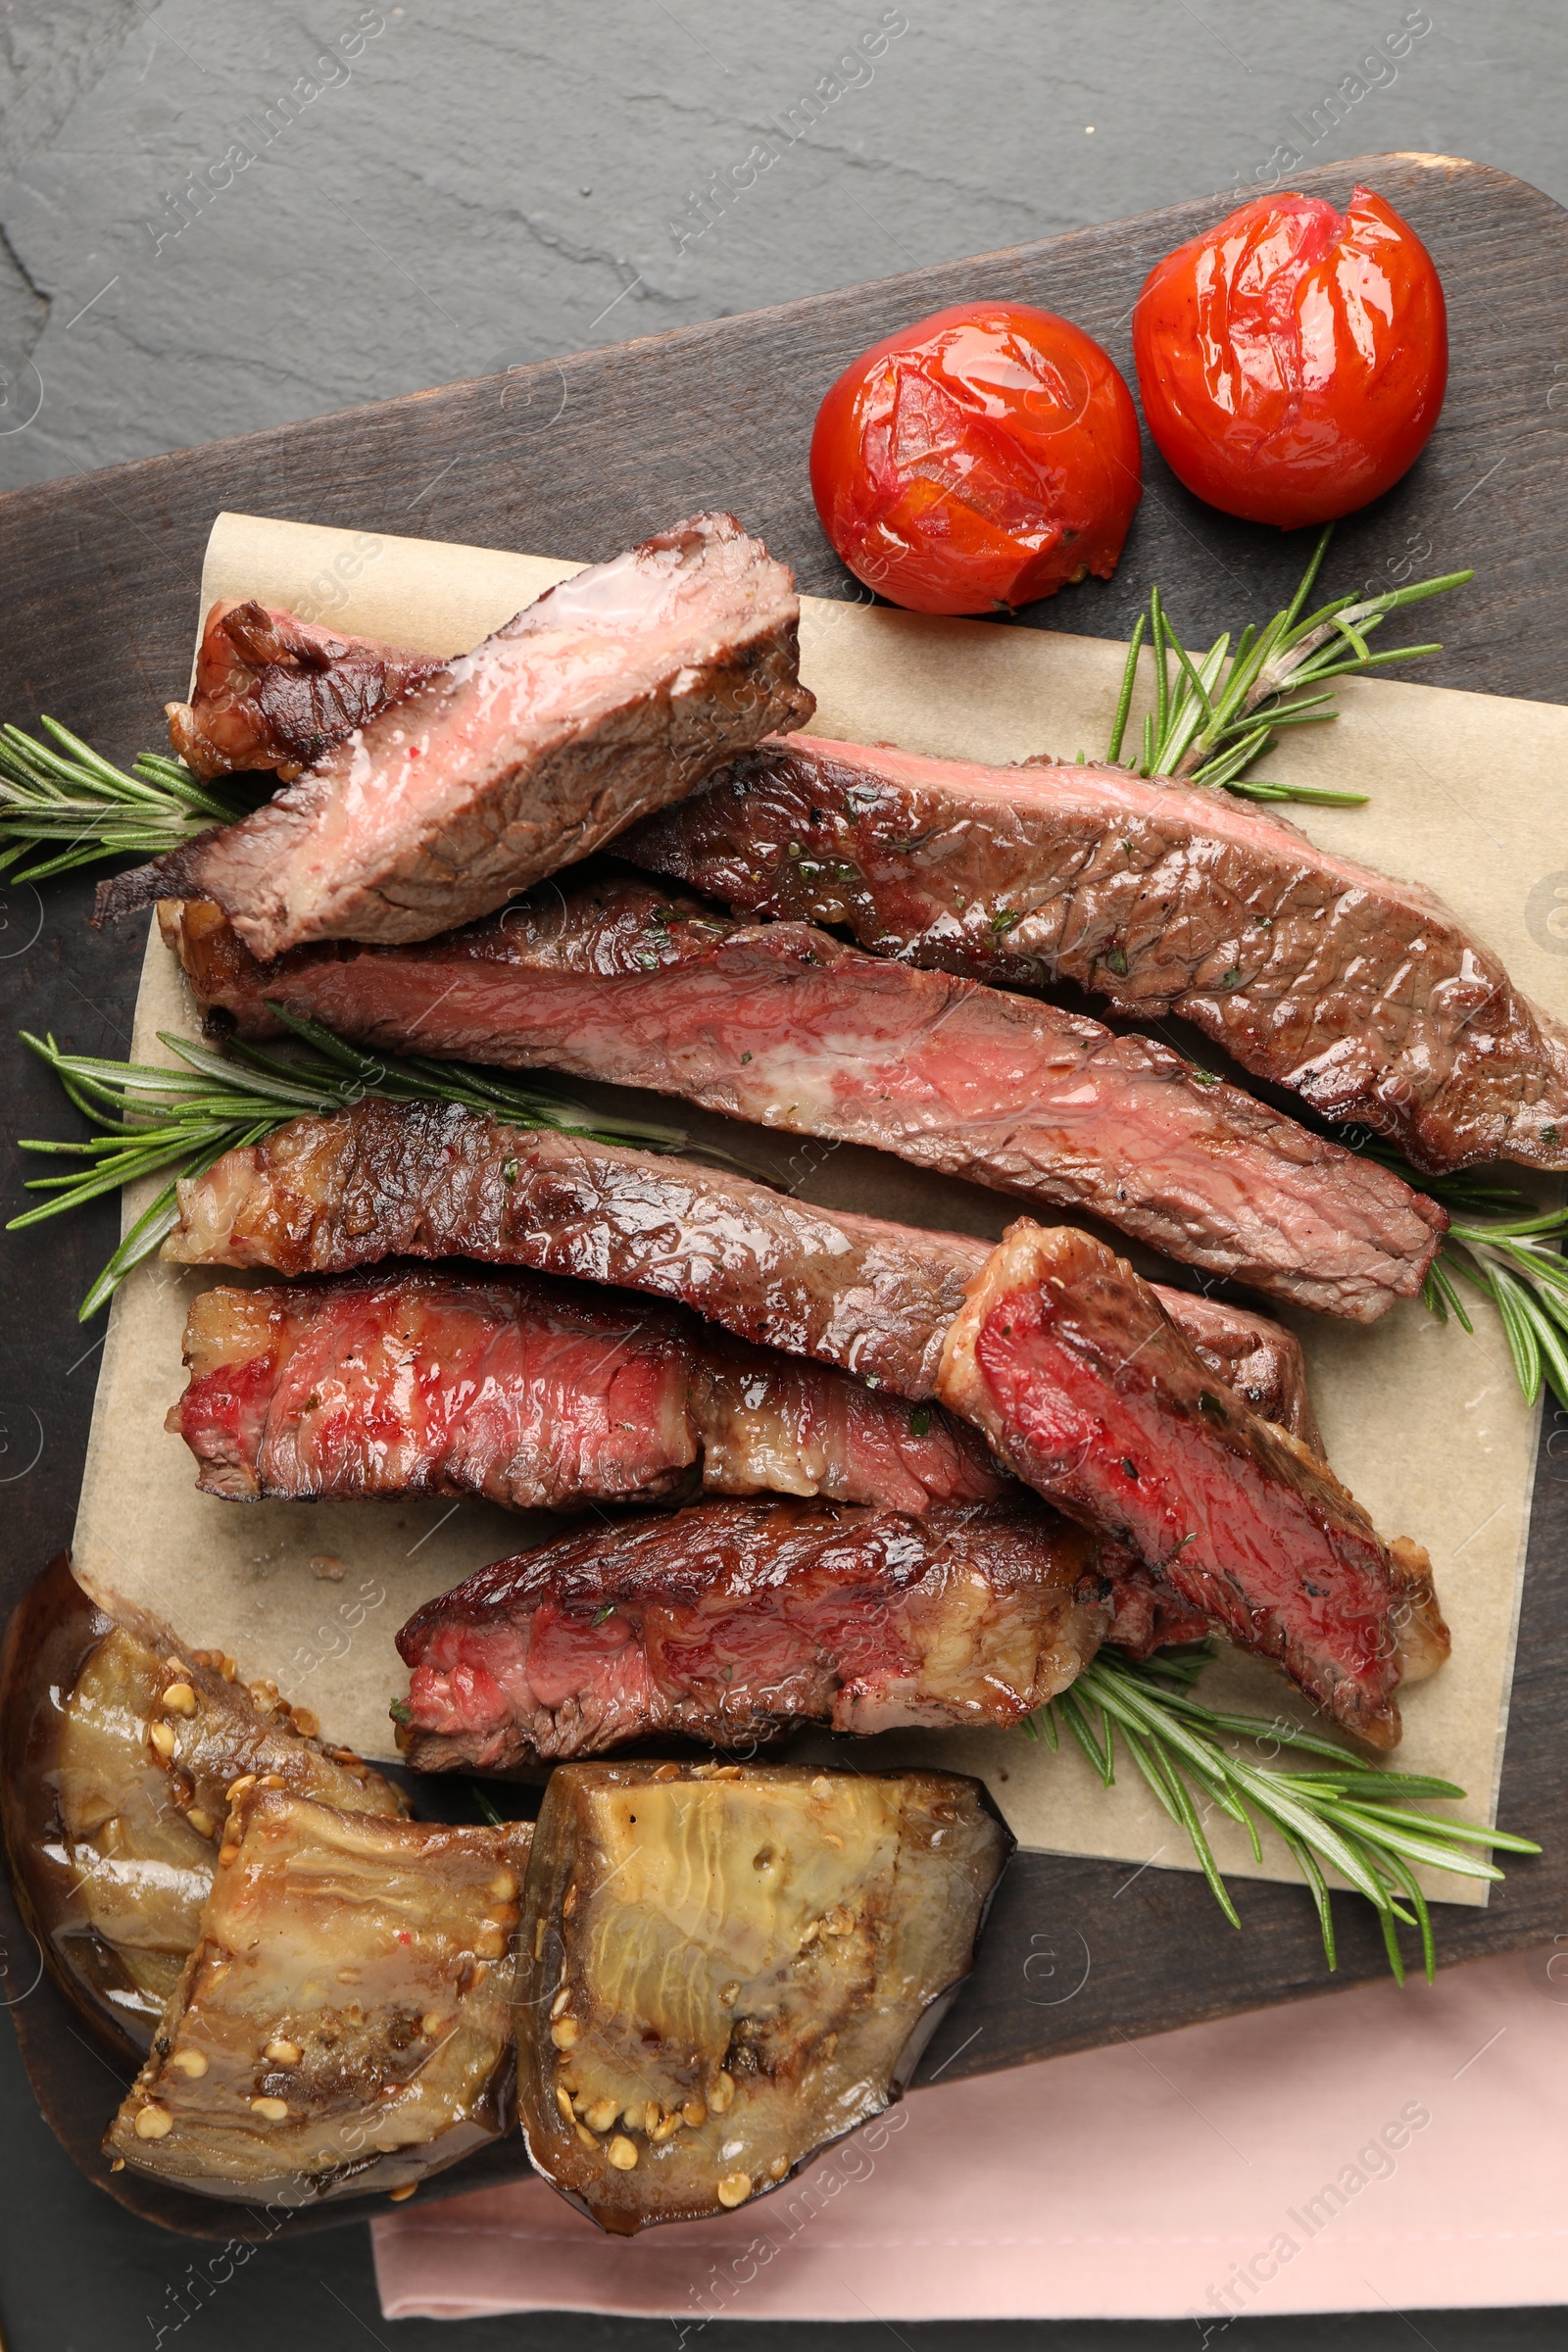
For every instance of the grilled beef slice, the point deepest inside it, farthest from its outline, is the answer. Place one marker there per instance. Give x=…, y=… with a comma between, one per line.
x=325, y=1195
x=274, y=691
x=536, y=1394
x=785, y=1025
x=612, y=694
x=1361, y=993
x=1086, y=1389
x=425, y=1384
x=728, y=1622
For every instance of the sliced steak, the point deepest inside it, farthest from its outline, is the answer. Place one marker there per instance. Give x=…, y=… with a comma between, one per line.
x=1147, y=1616
x=1086, y=1389
x=785, y=1025
x=1364, y=995
x=524, y=1391
x=274, y=691
x=536, y=1394
x=612, y=694
x=1253, y=1355
x=766, y=1423
x=729, y=1622
x=429, y=1180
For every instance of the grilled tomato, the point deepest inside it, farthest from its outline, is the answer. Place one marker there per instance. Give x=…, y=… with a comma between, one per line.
x=981, y=459
x=1292, y=360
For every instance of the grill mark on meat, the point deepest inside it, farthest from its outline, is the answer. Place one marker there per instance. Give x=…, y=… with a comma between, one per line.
x=787, y=1026
x=535, y=1395
x=274, y=691
x=342, y=1190
x=329, y=1194
x=1364, y=995
x=613, y=693
x=1086, y=1389
x=728, y=1622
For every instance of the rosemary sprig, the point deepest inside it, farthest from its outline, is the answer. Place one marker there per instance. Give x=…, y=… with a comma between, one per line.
x=63, y=791
x=1214, y=715
x=1501, y=1244
x=1515, y=1262
x=1352, y=1816
x=186, y=1118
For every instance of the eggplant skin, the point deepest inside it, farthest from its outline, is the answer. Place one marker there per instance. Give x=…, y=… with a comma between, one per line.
x=727, y=1967
x=344, y=2022
x=113, y=1801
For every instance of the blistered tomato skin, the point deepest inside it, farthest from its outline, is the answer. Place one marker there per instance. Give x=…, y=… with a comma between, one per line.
x=981, y=459
x=1292, y=360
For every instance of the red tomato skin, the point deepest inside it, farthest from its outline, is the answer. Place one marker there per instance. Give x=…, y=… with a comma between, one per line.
x=978, y=459
x=1292, y=360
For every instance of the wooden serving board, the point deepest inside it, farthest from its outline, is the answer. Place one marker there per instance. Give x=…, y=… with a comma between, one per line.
x=581, y=458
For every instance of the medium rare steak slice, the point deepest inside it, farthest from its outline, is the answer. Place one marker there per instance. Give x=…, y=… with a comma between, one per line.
x=274, y=690
x=1364, y=995
x=522, y=1390
x=766, y=1423
x=1253, y=1355
x=728, y=1621
x=612, y=694
x=322, y=1195
x=536, y=1394
x=782, y=1024
x=1086, y=1389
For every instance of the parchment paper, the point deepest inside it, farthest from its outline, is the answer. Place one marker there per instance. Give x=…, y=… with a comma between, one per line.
x=1424, y=1424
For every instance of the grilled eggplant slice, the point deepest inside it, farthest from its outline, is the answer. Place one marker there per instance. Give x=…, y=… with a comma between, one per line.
x=724, y=1967
x=344, y=2022
x=119, y=1747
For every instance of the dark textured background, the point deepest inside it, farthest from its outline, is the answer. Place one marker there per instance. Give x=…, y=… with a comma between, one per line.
x=495, y=184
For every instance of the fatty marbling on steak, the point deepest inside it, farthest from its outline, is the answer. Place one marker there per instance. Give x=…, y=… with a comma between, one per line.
x=1086, y=1389
x=322, y=1195
x=1361, y=993
x=536, y=1394
x=274, y=691
x=612, y=694
x=728, y=1621
x=606, y=977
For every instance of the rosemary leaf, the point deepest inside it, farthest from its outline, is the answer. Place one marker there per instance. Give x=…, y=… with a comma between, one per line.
x=151, y=1120
x=485, y=1805
x=62, y=791
x=1129, y=679
x=1354, y=1817
x=1418, y=1904
x=1078, y=1723
x=1215, y=713
x=1510, y=1253
x=1307, y=1863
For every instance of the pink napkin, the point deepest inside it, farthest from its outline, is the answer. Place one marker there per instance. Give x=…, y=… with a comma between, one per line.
x=1372, y=2149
